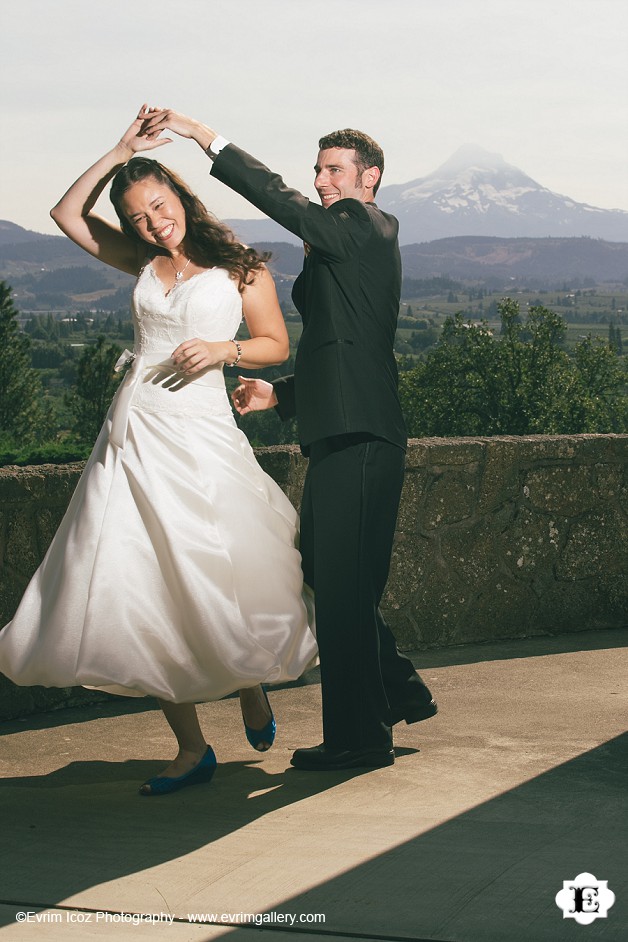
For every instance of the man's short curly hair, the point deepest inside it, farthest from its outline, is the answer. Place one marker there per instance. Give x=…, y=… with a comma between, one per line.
x=368, y=153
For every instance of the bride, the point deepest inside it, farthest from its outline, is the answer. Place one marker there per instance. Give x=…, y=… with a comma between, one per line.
x=174, y=572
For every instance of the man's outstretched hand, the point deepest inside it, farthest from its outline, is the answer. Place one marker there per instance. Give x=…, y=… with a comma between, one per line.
x=253, y=395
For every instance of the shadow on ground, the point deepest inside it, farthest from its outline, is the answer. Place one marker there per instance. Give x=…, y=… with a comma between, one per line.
x=488, y=874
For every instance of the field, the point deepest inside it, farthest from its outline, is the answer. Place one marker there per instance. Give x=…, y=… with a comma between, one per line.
x=586, y=311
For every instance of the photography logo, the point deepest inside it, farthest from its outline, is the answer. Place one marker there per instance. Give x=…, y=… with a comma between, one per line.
x=585, y=899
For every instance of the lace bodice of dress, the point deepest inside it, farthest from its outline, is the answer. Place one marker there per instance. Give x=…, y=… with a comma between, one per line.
x=207, y=305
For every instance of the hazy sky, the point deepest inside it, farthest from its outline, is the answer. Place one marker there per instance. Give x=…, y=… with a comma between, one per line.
x=542, y=82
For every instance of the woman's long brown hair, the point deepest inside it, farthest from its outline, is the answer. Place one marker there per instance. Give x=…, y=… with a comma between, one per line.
x=208, y=242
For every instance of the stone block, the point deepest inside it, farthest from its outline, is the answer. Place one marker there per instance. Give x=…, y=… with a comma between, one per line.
x=601, y=447
x=15, y=701
x=20, y=701
x=536, y=449
x=501, y=606
x=61, y=480
x=567, y=489
x=618, y=446
x=531, y=545
x=414, y=561
x=451, y=496
x=286, y=465
x=21, y=551
x=435, y=607
x=500, y=476
x=14, y=485
x=451, y=452
x=417, y=455
x=590, y=603
x=12, y=586
x=470, y=550
x=413, y=493
x=403, y=628
x=47, y=524
x=609, y=481
x=596, y=545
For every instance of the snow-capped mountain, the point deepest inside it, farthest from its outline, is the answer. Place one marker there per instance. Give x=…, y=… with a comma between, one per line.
x=476, y=192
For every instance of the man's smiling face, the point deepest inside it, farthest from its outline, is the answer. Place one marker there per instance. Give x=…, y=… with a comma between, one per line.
x=338, y=177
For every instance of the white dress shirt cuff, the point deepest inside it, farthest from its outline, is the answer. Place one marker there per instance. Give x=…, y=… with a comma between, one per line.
x=217, y=145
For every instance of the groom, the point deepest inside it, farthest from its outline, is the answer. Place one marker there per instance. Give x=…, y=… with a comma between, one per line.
x=344, y=395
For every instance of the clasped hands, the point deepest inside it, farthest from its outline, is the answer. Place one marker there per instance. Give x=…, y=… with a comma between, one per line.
x=144, y=133
x=151, y=122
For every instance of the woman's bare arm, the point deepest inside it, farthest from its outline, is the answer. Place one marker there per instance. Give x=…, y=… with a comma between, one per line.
x=73, y=213
x=268, y=344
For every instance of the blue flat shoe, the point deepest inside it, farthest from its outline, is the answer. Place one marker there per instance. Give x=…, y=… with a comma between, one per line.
x=262, y=737
x=202, y=772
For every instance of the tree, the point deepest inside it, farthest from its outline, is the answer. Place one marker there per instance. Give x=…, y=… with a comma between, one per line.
x=96, y=384
x=25, y=417
x=598, y=402
x=614, y=339
x=522, y=382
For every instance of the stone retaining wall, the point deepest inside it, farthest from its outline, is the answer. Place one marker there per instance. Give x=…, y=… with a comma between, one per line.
x=497, y=538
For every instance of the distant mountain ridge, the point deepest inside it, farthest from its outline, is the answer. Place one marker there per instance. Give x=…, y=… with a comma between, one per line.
x=536, y=262
x=23, y=251
x=51, y=273
x=12, y=233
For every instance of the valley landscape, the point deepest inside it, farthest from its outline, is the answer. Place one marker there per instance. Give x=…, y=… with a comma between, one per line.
x=475, y=219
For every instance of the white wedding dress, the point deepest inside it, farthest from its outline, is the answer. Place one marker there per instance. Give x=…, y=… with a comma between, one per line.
x=174, y=572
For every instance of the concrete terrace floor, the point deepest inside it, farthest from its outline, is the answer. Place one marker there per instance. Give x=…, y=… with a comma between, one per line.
x=519, y=784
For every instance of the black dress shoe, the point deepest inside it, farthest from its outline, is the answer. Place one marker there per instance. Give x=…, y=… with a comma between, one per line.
x=414, y=712
x=322, y=759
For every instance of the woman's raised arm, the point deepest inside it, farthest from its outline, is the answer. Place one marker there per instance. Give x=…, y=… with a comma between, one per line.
x=73, y=213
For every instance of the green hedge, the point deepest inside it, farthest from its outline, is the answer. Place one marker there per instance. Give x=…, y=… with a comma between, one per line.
x=52, y=453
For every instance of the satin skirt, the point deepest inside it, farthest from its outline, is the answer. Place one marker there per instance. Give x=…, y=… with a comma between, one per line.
x=174, y=573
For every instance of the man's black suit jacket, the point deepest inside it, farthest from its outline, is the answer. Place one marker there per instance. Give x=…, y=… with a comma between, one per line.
x=345, y=375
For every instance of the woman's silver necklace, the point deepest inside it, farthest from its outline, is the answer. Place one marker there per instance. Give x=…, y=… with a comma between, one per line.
x=178, y=275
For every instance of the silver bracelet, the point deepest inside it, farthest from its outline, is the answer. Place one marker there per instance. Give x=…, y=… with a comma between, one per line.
x=239, y=351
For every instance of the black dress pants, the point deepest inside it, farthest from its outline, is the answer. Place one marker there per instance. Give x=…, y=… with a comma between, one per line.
x=348, y=517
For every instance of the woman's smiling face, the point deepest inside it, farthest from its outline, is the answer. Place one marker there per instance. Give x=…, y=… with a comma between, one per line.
x=155, y=212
